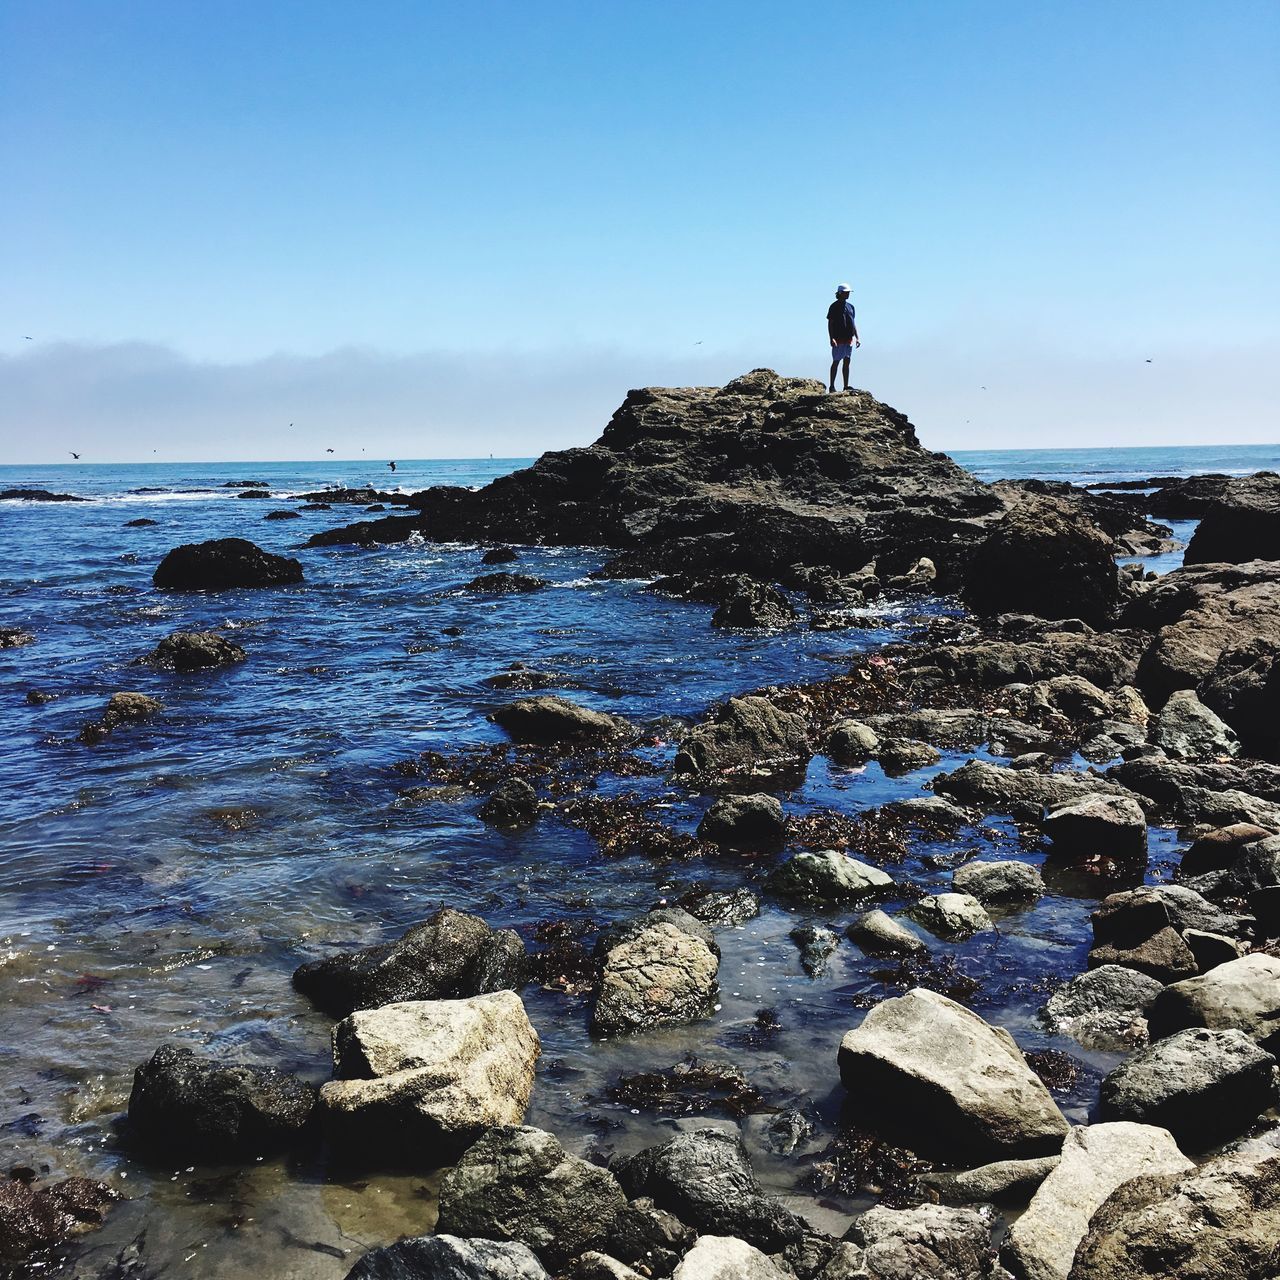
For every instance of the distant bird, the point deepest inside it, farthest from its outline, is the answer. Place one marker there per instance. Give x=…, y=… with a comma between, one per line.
x=984, y=388
x=698, y=343
x=1148, y=361
x=328, y=451
x=73, y=453
x=392, y=465
x=27, y=337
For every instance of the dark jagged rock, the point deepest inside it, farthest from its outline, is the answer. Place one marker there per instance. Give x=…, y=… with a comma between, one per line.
x=706, y=1180
x=283, y=514
x=193, y=651
x=1134, y=929
x=744, y=822
x=755, y=605
x=15, y=638
x=449, y=956
x=207, y=1109
x=514, y=803
x=362, y=496
x=1244, y=689
x=1243, y=524
x=755, y=476
x=1219, y=793
x=499, y=555
x=558, y=720
x=245, y=484
x=816, y=943
x=505, y=584
x=1046, y=558
x=35, y=1217
x=121, y=708
x=223, y=564
x=444, y=1257
x=642, y=1235
x=142, y=522
x=37, y=495
x=742, y=734
x=254, y=493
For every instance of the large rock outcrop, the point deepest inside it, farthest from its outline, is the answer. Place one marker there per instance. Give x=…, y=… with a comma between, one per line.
x=1243, y=524
x=222, y=564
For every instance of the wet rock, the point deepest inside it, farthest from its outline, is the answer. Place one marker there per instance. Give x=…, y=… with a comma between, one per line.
x=929, y=1242
x=879, y=934
x=690, y=1087
x=1243, y=524
x=1024, y=793
x=1243, y=995
x=852, y=742
x=550, y=719
x=38, y=697
x=15, y=638
x=727, y=1258
x=1134, y=929
x=644, y=1236
x=520, y=1184
x=706, y=1180
x=1244, y=689
x=721, y=906
x=935, y=1074
x=661, y=976
x=1256, y=867
x=254, y=493
x=827, y=876
x=745, y=733
x=1220, y=847
x=755, y=605
x=449, y=955
x=422, y=1079
x=35, y=1217
x=121, y=708
x=1000, y=1180
x=1217, y=794
x=514, y=803
x=787, y=1131
x=998, y=881
x=499, y=555
x=628, y=930
x=193, y=651
x=905, y=755
x=37, y=495
x=505, y=584
x=445, y=1257
x=1203, y=1086
x=1105, y=1008
x=1046, y=558
x=1098, y=826
x=1220, y=1220
x=203, y=1108
x=519, y=676
x=1096, y=1159
x=223, y=564
x=282, y=514
x=1187, y=730
x=744, y=822
x=950, y=915
x=816, y=943
x=142, y=522
x=599, y=1266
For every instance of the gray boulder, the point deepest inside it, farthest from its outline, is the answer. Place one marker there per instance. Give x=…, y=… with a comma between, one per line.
x=1133, y=929
x=929, y=1242
x=1243, y=995
x=726, y=1258
x=551, y=719
x=445, y=1257
x=1024, y=793
x=905, y=755
x=998, y=881
x=661, y=976
x=828, y=876
x=745, y=734
x=1187, y=730
x=519, y=1184
x=1105, y=1008
x=450, y=955
x=1098, y=826
x=1000, y=1180
x=938, y=1078
x=852, y=742
x=879, y=934
x=744, y=822
x=816, y=943
x=951, y=915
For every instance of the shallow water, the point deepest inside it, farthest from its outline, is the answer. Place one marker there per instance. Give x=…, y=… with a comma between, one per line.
x=164, y=884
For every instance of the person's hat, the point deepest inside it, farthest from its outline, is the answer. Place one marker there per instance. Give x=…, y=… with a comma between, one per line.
x=842, y=288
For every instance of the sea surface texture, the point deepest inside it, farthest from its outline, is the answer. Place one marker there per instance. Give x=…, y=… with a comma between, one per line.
x=163, y=884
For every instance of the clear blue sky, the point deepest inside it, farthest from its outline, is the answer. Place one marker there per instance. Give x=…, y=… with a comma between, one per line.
x=221, y=217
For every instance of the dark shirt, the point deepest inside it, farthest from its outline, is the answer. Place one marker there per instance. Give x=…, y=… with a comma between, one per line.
x=840, y=321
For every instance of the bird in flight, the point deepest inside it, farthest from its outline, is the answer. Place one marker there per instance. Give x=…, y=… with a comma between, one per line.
x=1148, y=361
x=26, y=337
x=328, y=451
x=73, y=453
x=392, y=465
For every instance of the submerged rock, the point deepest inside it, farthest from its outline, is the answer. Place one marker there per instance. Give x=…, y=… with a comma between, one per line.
x=550, y=719
x=450, y=954
x=35, y=1217
x=745, y=733
x=935, y=1075
x=816, y=943
x=193, y=651
x=744, y=822
x=505, y=584
x=514, y=803
x=660, y=976
x=422, y=1079
x=520, y=1184
x=828, y=876
x=121, y=708
x=1105, y=1008
x=203, y=1108
x=444, y=1257
x=222, y=564
x=15, y=638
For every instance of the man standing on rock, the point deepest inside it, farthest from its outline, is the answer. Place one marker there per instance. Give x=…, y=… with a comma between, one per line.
x=842, y=329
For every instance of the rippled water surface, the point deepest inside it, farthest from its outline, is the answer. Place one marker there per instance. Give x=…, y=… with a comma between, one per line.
x=164, y=884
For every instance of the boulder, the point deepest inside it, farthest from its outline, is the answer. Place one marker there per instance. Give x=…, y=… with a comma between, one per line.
x=520, y=1184
x=628, y=930
x=941, y=1080
x=1203, y=1086
x=744, y=822
x=1220, y=847
x=1096, y=1159
x=755, y=606
x=1112, y=827
x=37, y=1217
x=594, y=1265
x=661, y=976
x=1243, y=995
x=451, y=954
x=998, y=881
x=514, y=803
x=905, y=755
x=1215, y=793
x=852, y=742
x=1024, y=793
x=928, y=1242
x=816, y=943
x=223, y=564
x=1187, y=730
x=444, y=1257
x=1212, y=949
x=1220, y=1220
x=194, y=651
x=746, y=733
x=550, y=719
x=505, y=584
x=1243, y=524
x=499, y=555
x=879, y=934
x=1000, y=1180
x=705, y=1179
x=950, y=915
x=646, y=1237
x=419, y=1080
x=725, y=1258
x=121, y=708
x=827, y=876
x=1105, y=1008
x=1134, y=929
x=1244, y=689
x=202, y=1108
x=1255, y=868
x=1044, y=557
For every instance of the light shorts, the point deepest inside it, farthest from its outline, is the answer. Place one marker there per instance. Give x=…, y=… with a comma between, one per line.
x=842, y=351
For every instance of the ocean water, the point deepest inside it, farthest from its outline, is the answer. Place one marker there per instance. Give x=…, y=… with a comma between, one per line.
x=163, y=885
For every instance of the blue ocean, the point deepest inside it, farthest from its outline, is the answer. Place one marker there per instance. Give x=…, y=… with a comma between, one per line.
x=163, y=884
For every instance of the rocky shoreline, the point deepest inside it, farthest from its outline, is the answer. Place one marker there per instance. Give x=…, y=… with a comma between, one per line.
x=1097, y=703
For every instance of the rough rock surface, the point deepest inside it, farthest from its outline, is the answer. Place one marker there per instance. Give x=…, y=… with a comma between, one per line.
x=1244, y=689
x=549, y=719
x=451, y=954
x=1096, y=1159
x=644, y=1236
x=706, y=1180
x=1243, y=524
x=514, y=803
x=1135, y=929
x=936, y=1076
x=745, y=733
x=424, y=1078
x=38, y=1216
x=744, y=822
x=726, y=1258
x=1000, y=1180
x=505, y=584
x=661, y=976
x=950, y=915
x=1243, y=994
x=125, y=707
x=1203, y=1086
x=520, y=1184
x=1188, y=730
x=194, y=651
x=222, y=564
x=998, y=881
x=852, y=742
x=1105, y=1008
x=1024, y=793
x=445, y=1257
x=827, y=876
x=930, y=1242
x=209, y=1109
x=816, y=943
x=1218, y=1222
x=1098, y=826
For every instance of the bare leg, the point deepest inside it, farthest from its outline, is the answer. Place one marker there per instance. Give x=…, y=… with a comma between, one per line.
x=832, y=379
x=846, y=374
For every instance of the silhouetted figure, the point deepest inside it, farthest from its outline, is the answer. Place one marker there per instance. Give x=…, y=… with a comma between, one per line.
x=842, y=329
